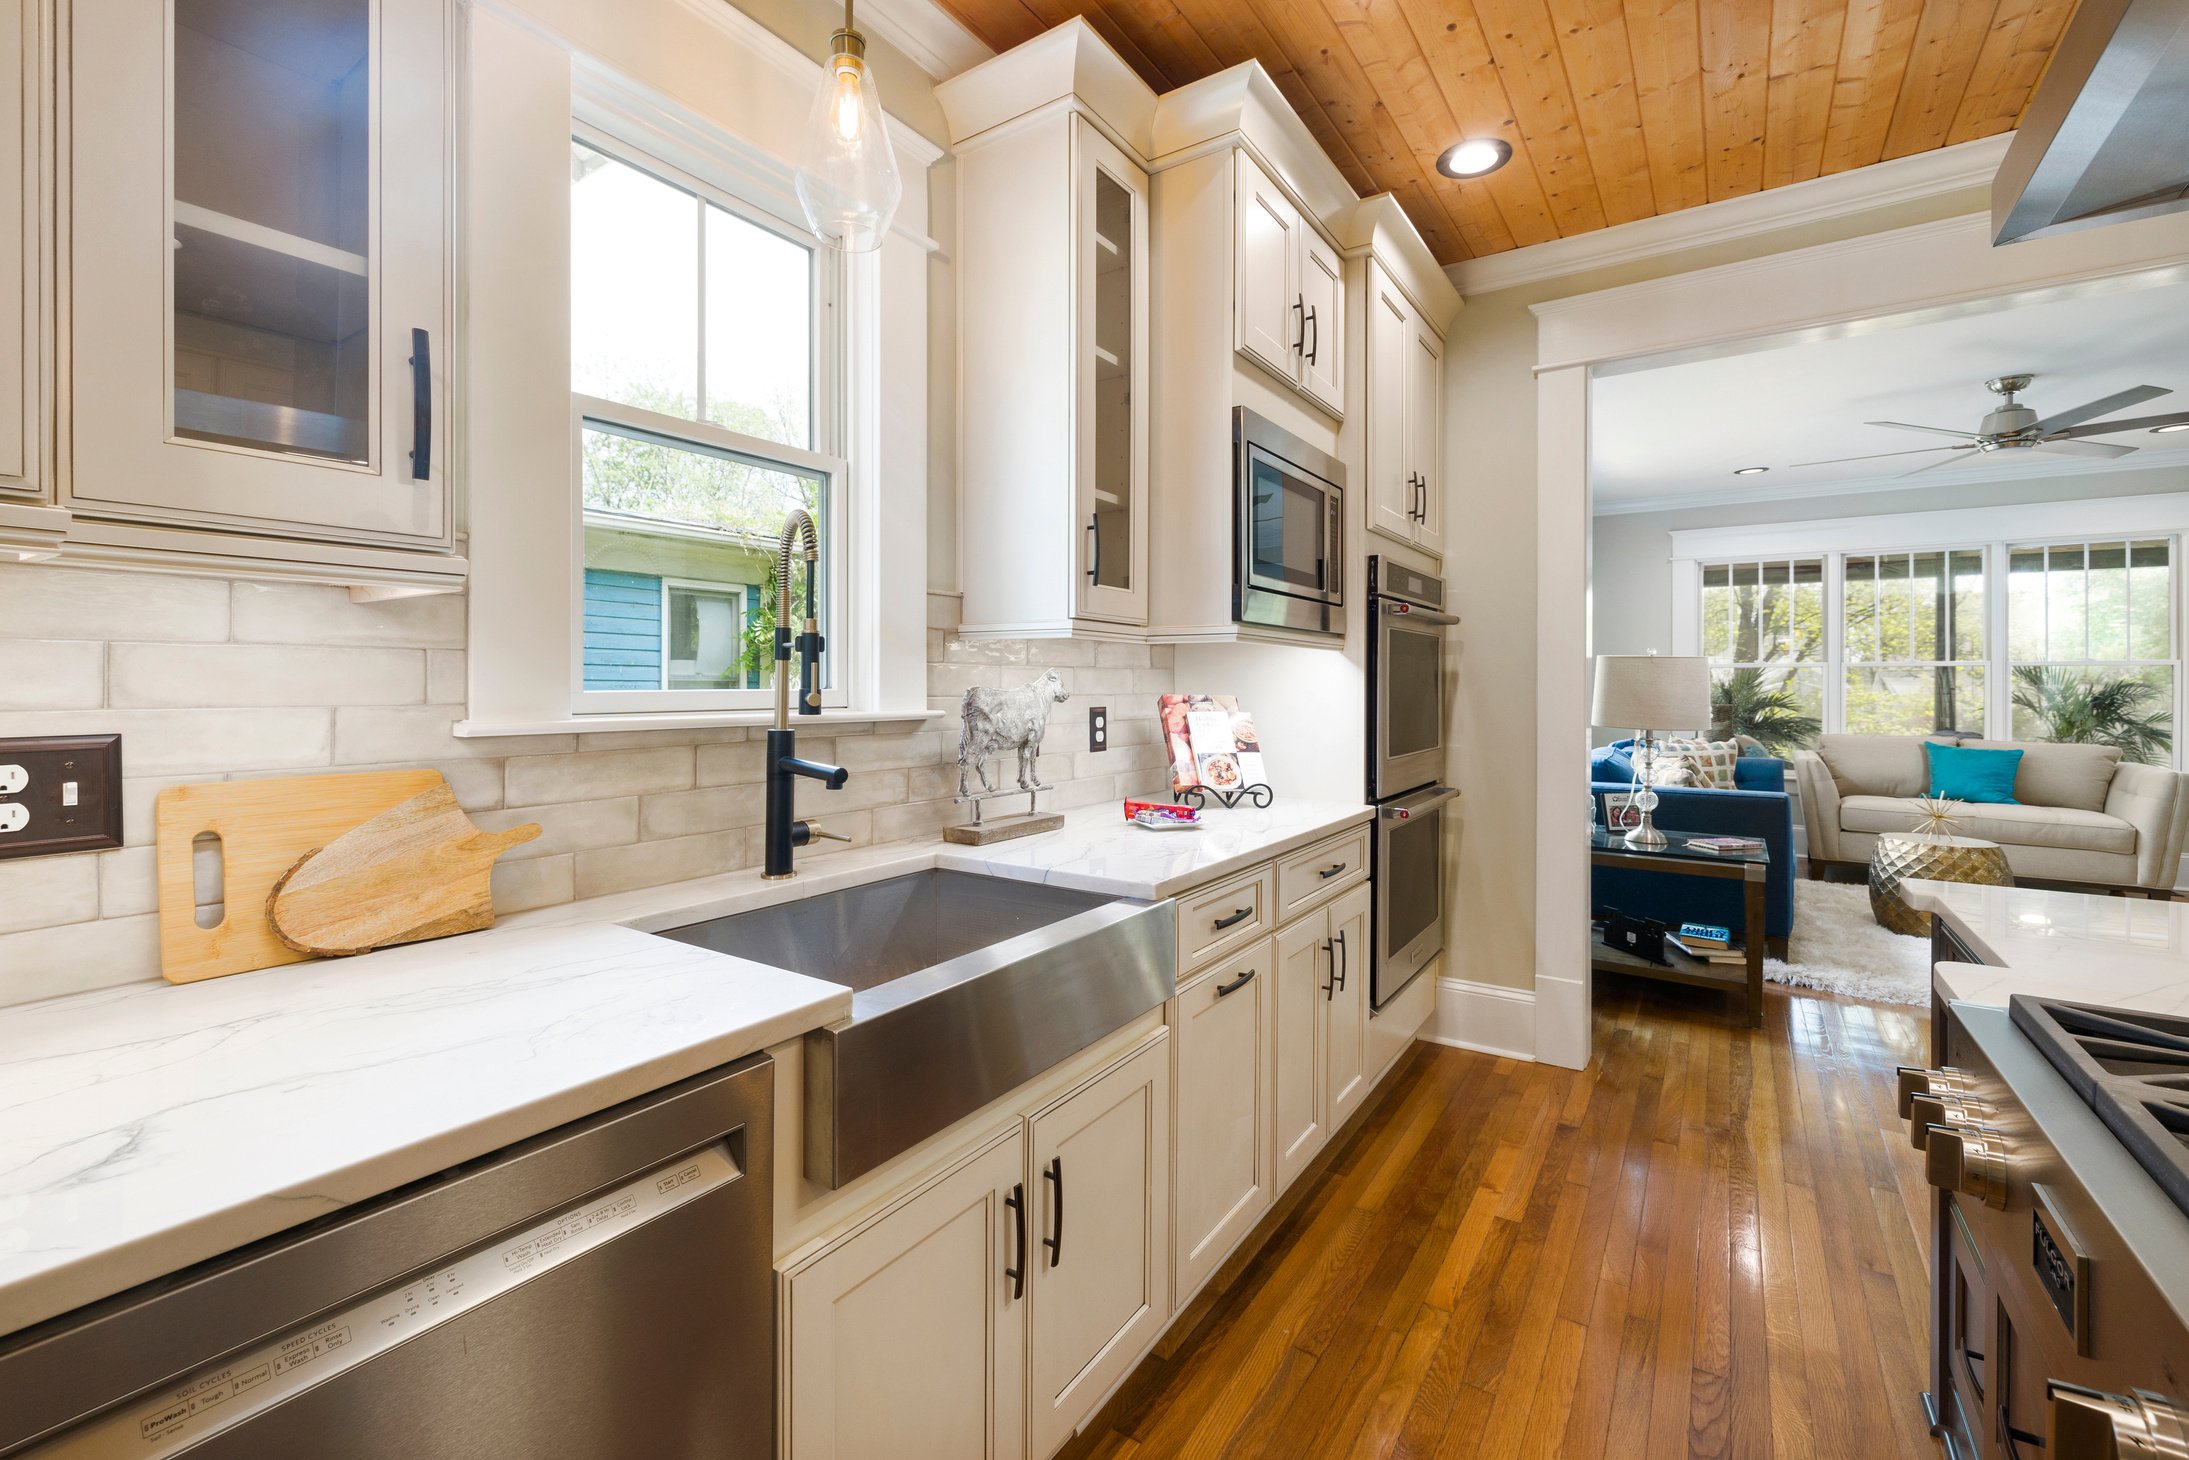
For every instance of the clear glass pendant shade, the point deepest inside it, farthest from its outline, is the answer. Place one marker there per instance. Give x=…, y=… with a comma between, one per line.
x=847, y=178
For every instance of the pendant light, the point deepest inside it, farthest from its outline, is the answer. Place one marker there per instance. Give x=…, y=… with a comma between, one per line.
x=847, y=177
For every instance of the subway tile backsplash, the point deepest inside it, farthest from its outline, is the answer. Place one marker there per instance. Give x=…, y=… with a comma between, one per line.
x=212, y=680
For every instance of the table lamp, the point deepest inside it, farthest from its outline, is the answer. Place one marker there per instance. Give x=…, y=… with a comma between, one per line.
x=1652, y=693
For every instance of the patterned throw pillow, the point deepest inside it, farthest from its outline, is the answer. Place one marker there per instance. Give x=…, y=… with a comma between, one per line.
x=1711, y=761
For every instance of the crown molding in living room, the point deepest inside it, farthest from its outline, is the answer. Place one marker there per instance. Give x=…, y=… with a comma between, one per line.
x=1882, y=184
x=928, y=34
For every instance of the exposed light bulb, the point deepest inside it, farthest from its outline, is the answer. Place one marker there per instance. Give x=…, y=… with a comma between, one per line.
x=847, y=176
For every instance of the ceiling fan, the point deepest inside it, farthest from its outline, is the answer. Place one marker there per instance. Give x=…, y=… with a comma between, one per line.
x=2013, y=426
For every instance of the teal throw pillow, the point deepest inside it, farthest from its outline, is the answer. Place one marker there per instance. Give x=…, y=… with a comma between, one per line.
x=1962, y=773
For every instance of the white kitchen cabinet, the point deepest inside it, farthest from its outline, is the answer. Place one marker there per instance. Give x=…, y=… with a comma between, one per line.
x=905, y=1337
x=256, y=241
x=23, y=315
x=1053, y=344
x=1405, y=394
x=1299, y=1105
x=1099, y=1292
x=1289, y=290
x=1345, y=1009
x=1223, y=1180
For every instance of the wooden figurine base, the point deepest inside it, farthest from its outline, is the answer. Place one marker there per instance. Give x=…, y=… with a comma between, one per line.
x=1003, y=828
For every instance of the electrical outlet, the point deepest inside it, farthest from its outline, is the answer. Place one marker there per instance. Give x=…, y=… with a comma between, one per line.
x=60, y=793
x=1098, y=727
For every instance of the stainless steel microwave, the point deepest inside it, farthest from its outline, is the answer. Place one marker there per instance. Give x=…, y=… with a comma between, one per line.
x=1289, y=513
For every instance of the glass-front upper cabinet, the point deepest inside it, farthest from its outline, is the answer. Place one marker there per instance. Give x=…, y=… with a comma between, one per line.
x=257, y=248
x=1112, y=305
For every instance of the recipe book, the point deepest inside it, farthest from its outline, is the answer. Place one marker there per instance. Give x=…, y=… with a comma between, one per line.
x=1212, y=743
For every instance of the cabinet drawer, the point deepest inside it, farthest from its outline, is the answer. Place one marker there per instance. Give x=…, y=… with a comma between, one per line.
x=1227, y=916
x=1309, y=878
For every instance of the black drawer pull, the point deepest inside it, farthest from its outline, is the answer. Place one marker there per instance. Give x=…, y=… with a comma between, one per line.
x=1236, y=918
x=1236, y=984
x=1331, y=871
x=1055, y=1242
x=1016, y=1201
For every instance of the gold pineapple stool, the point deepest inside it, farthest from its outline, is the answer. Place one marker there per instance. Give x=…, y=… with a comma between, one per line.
x=1900, y=856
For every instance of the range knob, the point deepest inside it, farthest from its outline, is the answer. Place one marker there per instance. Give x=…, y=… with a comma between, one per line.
x=1925, y=1111
x=2091, y=1424
x=1969, y=1159
x=1912, y=1080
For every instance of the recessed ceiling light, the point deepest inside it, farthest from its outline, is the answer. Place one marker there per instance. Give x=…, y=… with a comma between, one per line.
x=1750, y=471
x=1475, y=157
x=2177, y=426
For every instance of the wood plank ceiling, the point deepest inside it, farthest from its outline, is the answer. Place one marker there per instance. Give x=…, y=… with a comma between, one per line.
x=1615, y=109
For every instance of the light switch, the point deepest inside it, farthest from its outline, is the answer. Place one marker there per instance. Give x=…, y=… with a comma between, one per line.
x=69, y=794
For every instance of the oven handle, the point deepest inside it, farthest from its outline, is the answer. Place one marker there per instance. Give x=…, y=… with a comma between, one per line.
x=1412, y=806
x=1399, y=609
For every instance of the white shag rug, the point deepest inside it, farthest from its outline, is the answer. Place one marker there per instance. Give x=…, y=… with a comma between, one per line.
x=1838, y=948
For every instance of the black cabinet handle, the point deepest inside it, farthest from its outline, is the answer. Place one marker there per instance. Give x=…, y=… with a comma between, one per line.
x=1016, y=1201
x=1299, y=307
x=1331, y=871
x=1055, y=1242
x=421, y=406
x=1316, y=340
x=1338, y=964
x=1094, y=563
x=1236, y=918
x=1224, y=989
x=1330, y=989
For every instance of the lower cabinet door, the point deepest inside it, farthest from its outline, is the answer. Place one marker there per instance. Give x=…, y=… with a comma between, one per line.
x=1099, y=1291
x=906, y=1337
x=1305, y=961
x=1345, y=1059
x=1223, y=1140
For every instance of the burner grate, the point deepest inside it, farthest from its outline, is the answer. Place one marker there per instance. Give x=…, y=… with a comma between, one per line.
x=2130, y=1068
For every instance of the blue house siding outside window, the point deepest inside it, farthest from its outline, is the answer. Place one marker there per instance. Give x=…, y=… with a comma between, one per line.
x=622, y=630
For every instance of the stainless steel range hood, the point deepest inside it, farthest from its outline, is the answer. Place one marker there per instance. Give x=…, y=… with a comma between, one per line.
x=2106, y=137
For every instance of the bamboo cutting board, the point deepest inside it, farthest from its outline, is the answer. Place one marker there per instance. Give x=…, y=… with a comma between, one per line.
x=417, y=871
x=264, y=827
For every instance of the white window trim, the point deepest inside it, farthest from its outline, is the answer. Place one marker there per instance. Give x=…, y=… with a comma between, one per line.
x=527, y=88
x=697, y=587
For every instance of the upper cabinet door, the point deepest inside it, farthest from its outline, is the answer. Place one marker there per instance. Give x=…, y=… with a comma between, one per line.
x=1269, y=308
x=1111, y=323
x=21, y=351
x=257, y=231
x=1322, y=325
x=1394, y=501
x=1424, y=433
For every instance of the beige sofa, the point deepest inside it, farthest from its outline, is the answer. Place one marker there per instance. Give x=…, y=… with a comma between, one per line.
x=2079, y=815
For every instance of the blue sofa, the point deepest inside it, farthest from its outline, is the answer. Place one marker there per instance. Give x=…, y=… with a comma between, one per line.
x=1758, y=806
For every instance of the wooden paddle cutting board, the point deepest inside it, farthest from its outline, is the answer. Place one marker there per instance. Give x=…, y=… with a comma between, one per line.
x=264, y=827
x=417, y=871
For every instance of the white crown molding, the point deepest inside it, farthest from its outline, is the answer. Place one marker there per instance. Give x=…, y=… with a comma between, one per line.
x=2090, y=519
x=1883, y=184
x=1988, y=471
x=929, y=35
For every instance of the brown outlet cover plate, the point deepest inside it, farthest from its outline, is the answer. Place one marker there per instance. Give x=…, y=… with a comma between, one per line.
x=94, y=763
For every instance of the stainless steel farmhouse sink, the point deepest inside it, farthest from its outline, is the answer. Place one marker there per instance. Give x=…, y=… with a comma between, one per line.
x=964, y=987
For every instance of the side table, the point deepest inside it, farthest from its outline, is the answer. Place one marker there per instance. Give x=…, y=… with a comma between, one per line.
x=1609, y=849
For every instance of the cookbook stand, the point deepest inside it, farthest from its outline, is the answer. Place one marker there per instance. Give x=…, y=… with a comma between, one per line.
x=1257, y=795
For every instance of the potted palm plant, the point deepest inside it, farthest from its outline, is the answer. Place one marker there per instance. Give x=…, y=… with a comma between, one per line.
x=2077, y=710
x=1755, y=703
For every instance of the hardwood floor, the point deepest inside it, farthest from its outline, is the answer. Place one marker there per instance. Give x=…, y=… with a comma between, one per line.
x=1703, y=1245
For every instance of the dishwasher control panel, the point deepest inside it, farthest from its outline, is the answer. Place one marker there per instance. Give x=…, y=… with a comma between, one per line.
x=225, y=1394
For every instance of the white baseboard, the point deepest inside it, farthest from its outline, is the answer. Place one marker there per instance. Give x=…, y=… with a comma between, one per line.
x=1485, y=1017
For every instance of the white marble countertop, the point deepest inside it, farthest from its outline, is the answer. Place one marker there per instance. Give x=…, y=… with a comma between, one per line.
x=151, y=1126
x=2121, y=952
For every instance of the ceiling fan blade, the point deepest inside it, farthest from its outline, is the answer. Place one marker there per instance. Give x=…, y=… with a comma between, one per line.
x=2086, y=448
x=2119, y=400
x=2134, y=423
x=1874, y=455
x=1932, y=430
x=1926, y=466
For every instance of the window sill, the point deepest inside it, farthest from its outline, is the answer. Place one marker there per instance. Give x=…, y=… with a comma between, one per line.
x=698, y=720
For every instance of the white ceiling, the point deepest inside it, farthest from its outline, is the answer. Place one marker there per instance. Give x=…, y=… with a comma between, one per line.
x=1672, y=436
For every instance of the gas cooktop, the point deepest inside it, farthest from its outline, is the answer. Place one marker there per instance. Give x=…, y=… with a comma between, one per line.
x=2131, y=1068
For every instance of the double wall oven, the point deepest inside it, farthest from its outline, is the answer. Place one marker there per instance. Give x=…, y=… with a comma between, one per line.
x=1406, y=769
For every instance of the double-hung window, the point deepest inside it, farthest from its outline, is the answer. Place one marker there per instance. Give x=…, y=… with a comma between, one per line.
x=2090, y=637
x=1912, y=636
x=705, y=407
x=1763, y=630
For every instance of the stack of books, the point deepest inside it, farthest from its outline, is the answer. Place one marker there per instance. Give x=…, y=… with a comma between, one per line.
x=1707, y=943
x=1719, y=846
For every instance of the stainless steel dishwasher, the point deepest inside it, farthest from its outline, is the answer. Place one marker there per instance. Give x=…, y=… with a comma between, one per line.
x=602, y=1291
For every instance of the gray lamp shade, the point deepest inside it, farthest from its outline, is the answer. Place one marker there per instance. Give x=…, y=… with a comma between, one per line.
x=1651, y=692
